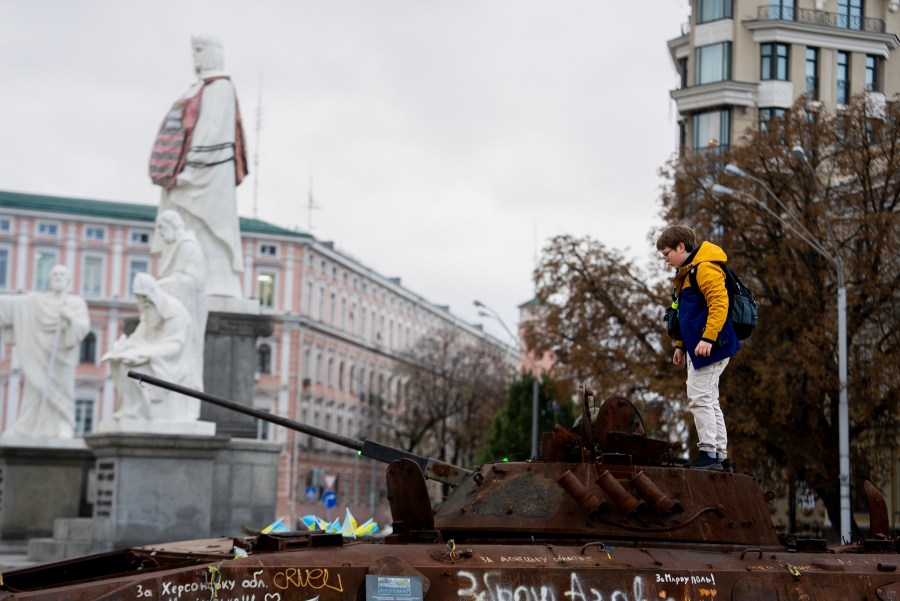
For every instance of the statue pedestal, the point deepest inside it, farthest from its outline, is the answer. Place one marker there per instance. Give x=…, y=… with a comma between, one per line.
x=41, y=480
x=157, y=426
x=245, y=486
x=229, y=368
x=152, y=487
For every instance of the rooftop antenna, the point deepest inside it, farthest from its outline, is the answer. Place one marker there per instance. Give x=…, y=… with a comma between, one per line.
x=259, y=124
x=310, y=206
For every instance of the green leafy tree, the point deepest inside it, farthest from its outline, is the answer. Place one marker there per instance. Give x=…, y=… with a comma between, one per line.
x=509, y=436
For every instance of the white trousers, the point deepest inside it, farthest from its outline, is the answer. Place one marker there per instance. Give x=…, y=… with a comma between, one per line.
x=703, y=401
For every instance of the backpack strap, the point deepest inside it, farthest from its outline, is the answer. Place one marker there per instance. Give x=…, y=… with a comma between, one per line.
x=692, y=274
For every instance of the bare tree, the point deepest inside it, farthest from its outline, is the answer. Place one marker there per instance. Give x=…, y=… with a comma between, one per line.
x=452, y=384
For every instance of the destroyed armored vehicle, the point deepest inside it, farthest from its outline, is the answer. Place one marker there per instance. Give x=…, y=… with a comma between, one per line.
x=605, y=513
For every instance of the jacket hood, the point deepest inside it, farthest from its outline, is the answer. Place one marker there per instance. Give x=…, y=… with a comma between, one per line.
x=706, y=252
x=709, y=252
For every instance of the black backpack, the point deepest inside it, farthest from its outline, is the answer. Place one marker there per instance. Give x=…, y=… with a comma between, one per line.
x=743, y=311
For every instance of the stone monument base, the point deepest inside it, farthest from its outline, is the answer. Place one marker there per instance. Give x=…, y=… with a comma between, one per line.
x=147, y=426
x=153, y=488
x=41, y=480
x=229, y=368
x=224, y=304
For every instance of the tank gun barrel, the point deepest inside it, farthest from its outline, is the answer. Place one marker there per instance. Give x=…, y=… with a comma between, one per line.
x=432, y=468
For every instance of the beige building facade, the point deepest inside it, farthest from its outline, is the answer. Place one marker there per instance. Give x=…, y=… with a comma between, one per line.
x=742, y=62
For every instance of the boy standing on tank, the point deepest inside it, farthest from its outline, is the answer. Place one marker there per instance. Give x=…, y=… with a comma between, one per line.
x=708, y=338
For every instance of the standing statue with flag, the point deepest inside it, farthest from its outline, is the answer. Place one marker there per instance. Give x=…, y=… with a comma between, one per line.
x=198, y=159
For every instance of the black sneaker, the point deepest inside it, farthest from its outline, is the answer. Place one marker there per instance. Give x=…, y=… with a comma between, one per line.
x=726, y=465
x=704, y=462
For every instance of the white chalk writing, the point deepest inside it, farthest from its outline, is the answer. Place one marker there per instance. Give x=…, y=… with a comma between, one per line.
x=674, y=579
x=255, y=582
x=495, y=586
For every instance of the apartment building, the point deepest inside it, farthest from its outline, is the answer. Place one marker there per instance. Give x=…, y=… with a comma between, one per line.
x=340, y=331
x=742, y=62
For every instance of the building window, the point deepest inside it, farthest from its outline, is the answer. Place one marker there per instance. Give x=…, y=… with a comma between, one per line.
x=4, y=226
x=263, y=428
x=362, y=322
x=92, y=277
x=44, y=262
x=782, y=10
x=711, y=129
x=84, y=416
x=45, y=228
x=843, y=77
x=264, y=359
x=351, y=382
x=93, y=232
x=4, y=268
x=812, y=73
x=268, y=250
x=265, y=289
x=767, y=114
x=683, y=71
x=332, y=317
x=136, y=266
x=321, y=314
x=873, y=73
x=713, y=10
x=850, y=14
x=330, y=373
x=353, y=318
x=88, y=352
x=713, y=63
x=140, y=237
x=773, y=61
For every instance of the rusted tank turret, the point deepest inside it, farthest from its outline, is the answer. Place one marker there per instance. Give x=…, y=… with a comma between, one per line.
x=605, y=513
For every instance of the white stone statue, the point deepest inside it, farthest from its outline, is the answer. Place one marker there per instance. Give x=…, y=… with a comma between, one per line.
x=47, y=328
x=199, y=158
x=156, y=348
x=182, y=273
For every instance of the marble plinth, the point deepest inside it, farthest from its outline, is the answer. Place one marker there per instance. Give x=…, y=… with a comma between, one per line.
x=245, y=486
x=41, y=480
x=158, y=426
x=152, y=488
x=229, y=368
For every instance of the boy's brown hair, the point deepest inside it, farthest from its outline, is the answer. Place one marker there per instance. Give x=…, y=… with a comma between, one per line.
x=675, y=234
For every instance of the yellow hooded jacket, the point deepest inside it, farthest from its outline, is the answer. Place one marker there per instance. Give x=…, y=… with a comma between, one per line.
x=711, y=281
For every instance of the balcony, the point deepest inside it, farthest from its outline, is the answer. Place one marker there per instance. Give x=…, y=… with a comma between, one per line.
x=819, y=17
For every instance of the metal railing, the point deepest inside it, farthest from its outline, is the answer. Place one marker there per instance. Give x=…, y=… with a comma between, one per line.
x=820, y=17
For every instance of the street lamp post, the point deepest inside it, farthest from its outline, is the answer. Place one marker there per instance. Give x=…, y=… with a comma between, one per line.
x=535, y=386
x=834, y=257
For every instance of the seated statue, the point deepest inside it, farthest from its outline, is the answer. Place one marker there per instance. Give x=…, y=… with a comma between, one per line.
x=47, y=328
x=182, y=273
x=156, y=348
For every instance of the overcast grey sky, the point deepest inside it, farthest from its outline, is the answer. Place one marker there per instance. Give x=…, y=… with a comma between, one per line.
x=447, y=140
